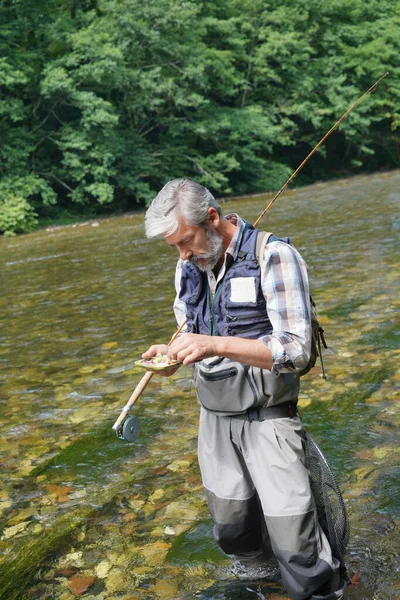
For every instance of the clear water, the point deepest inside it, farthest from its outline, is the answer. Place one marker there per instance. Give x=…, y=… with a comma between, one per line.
x=79, y=304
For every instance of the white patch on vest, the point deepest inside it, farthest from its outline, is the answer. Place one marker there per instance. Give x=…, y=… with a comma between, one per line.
x=243, y=289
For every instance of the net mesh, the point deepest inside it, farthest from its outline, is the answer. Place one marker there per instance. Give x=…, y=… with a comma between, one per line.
x=332, y=515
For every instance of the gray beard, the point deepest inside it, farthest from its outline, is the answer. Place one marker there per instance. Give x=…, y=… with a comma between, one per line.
x=213, y=253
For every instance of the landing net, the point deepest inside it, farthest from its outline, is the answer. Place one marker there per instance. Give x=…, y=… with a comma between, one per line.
x=331, y=510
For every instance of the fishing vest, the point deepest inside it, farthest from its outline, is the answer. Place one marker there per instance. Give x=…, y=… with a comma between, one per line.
x=239, y=309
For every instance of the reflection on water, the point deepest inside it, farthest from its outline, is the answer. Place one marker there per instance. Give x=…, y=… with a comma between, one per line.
x=82, y=512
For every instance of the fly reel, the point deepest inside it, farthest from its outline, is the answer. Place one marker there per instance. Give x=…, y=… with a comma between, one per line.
x=129, y=429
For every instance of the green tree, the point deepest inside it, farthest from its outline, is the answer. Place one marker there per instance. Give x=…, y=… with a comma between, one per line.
x=103, y=101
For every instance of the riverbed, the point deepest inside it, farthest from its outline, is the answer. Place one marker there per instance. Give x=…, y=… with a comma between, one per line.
x=84, y=514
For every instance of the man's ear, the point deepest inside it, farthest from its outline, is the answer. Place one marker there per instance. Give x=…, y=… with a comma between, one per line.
x=214, y=219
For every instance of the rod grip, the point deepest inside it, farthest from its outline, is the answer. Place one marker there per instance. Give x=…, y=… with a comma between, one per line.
x=134, y=396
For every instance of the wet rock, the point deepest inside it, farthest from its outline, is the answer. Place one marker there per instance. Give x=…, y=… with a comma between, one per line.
x=128, y=517
x=160, y=471
x=118, y=581
x=59, y=492
x=74, y=559
x=304, y=402
x=136, y=505
x=384, y=452
x=10, y=532
x=22, y=515
x=78, y=584
x=109, y=345
x=102, y=569
x=66, y=572
x=155, y=554
x=81, y=415
x=157, y=495
x=140, y=574
x=25, y=467
x=180, y=511
x=157, y=532
x=165, y=589
x=179, y=465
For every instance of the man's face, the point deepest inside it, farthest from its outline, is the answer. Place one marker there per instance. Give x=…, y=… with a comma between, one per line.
x=202, y=246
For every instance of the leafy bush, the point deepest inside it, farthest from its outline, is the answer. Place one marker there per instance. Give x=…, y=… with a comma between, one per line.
x=16, y=215
x=17, y=198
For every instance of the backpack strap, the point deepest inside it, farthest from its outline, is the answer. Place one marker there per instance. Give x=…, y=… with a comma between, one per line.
x=264, y=238
x=262, y=241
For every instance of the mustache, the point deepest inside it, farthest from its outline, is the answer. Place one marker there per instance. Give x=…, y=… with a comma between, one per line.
x=199, y=257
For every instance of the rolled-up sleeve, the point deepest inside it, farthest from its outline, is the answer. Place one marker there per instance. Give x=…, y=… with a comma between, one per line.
x=285, y=286
x=179, y=306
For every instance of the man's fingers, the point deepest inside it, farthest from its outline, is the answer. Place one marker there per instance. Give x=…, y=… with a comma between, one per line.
x=149, y=353
x=190, y=348
x=190, y=354
x=169, y=372
x=154, y=350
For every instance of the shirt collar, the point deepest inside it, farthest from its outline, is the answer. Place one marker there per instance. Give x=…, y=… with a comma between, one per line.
x=234, y=244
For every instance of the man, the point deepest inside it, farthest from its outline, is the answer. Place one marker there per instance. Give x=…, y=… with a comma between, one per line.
x=247, y=335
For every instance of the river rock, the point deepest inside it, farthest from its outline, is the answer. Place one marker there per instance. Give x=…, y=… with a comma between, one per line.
x=165, y=589
x=180, y=511
x=74, y=559
x=169, y=531
x=102, y=569
x=78, y=584
x=118, y=581
x=4, y=506
x=154, y=554
x=10, y=532
x=157, y=495
x=179, y=465
x=136, y=505
x=25, y=514
x=59, y=492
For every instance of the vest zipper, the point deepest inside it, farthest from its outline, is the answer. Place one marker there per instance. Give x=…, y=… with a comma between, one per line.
x=248, y=317
x=212, y=301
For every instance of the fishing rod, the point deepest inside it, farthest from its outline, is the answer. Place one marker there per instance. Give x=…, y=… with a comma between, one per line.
x=127, y=427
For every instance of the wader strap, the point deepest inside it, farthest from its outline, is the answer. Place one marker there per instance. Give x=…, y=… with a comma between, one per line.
x=286, y=409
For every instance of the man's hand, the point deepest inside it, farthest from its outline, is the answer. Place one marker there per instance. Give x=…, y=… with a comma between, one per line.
x=192, y=347
x=160, y=349
x=154, y=350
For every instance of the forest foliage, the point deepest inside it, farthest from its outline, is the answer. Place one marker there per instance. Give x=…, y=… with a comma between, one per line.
x=103, y=101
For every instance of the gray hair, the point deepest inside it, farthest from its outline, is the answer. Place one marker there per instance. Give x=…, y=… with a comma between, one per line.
x=179, y=197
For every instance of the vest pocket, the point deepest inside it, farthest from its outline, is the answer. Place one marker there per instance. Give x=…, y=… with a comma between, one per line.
x=228, y=387
x=224, y=387
x=250, y=325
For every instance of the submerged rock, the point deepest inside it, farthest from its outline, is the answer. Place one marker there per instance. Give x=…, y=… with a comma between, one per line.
x=78, y=584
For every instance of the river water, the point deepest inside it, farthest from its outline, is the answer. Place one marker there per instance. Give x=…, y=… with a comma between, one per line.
x=85, y=514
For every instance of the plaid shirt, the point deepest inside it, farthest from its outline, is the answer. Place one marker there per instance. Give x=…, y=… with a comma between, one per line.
x=284, y=283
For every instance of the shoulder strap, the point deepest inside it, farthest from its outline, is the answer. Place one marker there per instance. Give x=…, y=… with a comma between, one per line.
x=262, y=241
x=263, y=238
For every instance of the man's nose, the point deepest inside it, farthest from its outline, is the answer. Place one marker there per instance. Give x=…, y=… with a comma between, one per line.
x=185, y=254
